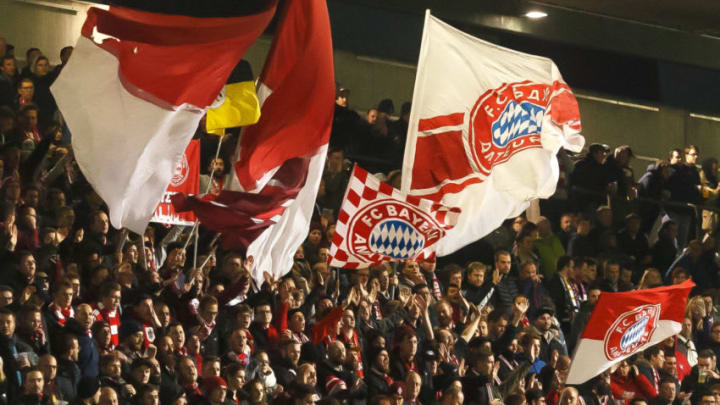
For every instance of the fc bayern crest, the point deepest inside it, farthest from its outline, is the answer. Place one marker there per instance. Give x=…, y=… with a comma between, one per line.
x=182, y=170
x=631, y=330
x=505, y=121
x=391, y=228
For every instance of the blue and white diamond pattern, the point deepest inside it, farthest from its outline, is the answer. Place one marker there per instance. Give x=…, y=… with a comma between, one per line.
x=396, y=239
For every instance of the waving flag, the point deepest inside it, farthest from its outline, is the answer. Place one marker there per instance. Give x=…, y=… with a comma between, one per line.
x=484, y=129
x=185, y=179
x=134, y=91
x=623, y=324
x=377, y=223
x=281, y=158
x=237, y=104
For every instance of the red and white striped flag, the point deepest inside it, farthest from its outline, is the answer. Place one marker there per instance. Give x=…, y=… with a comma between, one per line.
x=378, y=223
x=134, y=91
x=625, y=323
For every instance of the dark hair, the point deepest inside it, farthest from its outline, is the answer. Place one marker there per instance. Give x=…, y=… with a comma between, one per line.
x=65, y=343
x=501, y=252
x=652, y=351
x=706, y=354
x=29, y=107
x=29, y=51
x=563, y=261
x=496, y=315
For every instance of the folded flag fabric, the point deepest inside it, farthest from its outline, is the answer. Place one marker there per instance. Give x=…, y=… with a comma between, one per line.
x=241, y=217
x=625, y=323
x=281, y=158
x=378, y=223
x=485, y=126
x=237, y=104
x=134, y=92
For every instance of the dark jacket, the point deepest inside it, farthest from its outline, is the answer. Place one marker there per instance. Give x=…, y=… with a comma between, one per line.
x=479, y=389
x=89, y=355
x=67, y=379
x=9, y=347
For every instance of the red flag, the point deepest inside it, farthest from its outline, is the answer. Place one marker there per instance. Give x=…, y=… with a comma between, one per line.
x=623, y=324
x=296, y=122
x=281, y=158
x=185, y=179
x=241, y=216
x=134, y=92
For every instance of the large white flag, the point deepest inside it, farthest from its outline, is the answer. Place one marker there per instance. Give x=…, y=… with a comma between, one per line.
x=134, y=91
x=484, y=130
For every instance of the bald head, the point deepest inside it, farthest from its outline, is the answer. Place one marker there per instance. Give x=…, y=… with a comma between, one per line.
x=569, y=396
x=108, y=396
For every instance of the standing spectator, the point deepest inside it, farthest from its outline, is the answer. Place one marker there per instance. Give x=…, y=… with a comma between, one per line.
x=335, y=179
x=568, y=228
x=563, y=295
x=684, y=186
x=663, y=252
x=590, y=178
x=710, y=192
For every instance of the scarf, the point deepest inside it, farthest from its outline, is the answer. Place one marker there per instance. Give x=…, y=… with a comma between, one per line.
x=62, y=314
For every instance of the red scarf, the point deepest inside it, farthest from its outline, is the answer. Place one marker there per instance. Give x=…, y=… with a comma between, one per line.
x=61, y=313
x=112, y=318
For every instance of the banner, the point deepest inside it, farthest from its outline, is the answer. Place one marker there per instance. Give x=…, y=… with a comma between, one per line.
x=185, y=179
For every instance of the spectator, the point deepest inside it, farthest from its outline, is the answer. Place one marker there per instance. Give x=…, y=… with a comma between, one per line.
x=590, y=178
x=548, y=246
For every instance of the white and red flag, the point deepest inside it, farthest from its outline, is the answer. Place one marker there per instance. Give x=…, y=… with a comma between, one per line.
x=280, y=160
x=485, y=126
x=134, y=91
x=185, y=179
x=378, y=223
x=625, y=323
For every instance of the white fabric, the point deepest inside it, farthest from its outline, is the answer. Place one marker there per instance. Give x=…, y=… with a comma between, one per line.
x=454, y=70
x=274, y=249
x=125, y=146
x=593, y=360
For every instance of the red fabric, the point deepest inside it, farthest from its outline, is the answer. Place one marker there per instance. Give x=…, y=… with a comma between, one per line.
x=113, y=319
x=172, y=59
x=241, y=217
x=611, y=305
x=281, y=315
x=297, y=116
x=640, y=386
x=682, y=367
x=186, y=179
x=326, y=326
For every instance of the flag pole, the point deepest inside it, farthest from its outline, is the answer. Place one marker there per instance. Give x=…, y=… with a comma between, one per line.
x=197, y=222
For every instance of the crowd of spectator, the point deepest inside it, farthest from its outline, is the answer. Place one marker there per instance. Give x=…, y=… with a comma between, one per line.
x=90, y=315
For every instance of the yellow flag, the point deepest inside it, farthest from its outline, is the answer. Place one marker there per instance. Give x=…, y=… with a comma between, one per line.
x=240, y=106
